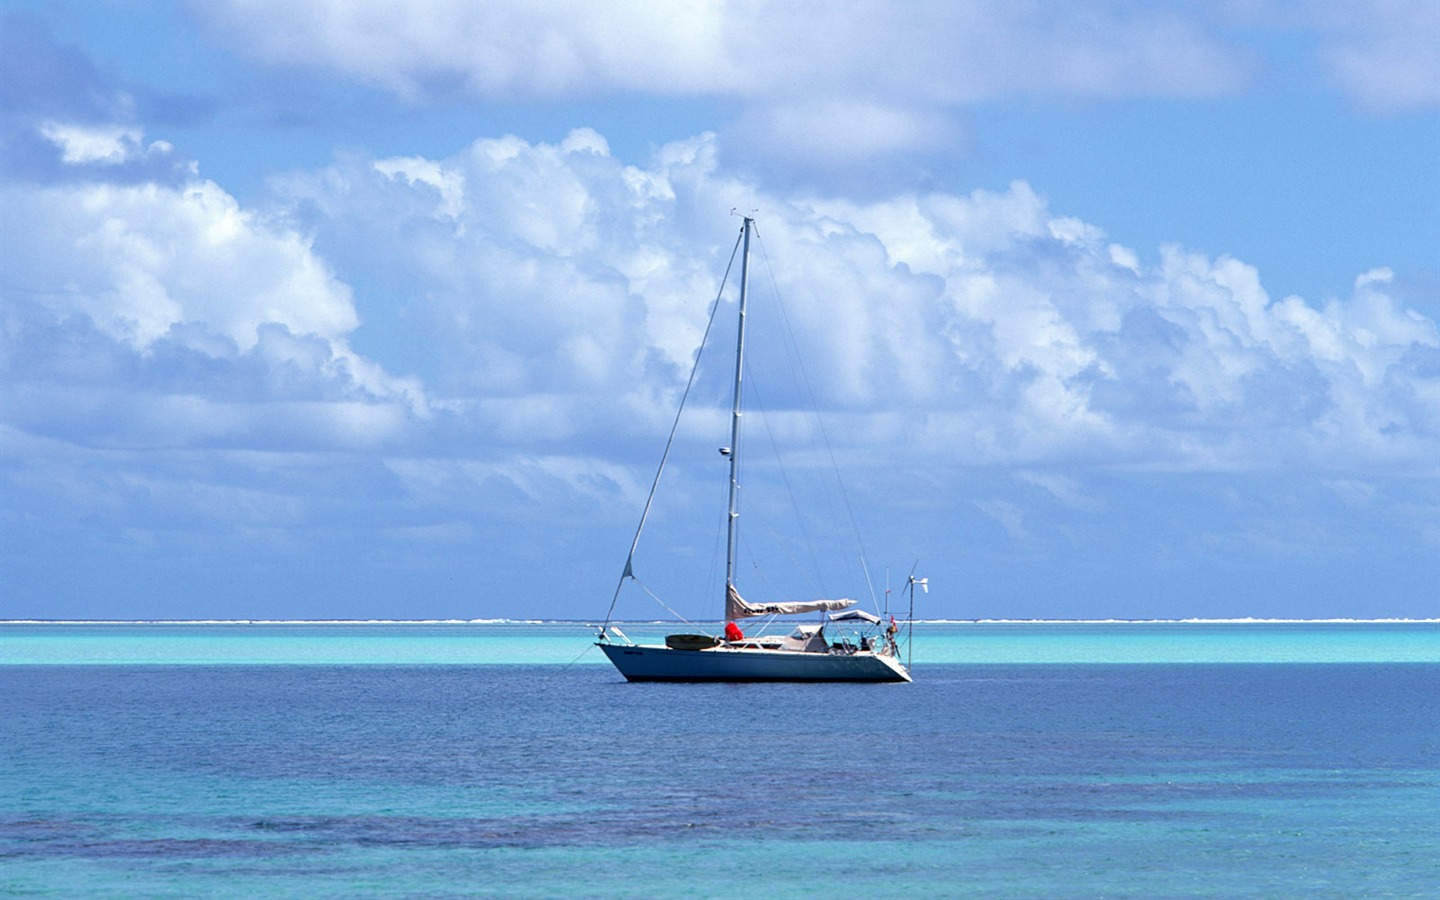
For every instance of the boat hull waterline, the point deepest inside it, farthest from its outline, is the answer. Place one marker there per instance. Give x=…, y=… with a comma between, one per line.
x=645, y=662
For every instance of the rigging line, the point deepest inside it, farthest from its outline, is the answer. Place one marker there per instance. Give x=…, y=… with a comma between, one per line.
x=870, y=584
x=810, y=393
x=817, y=572
x=653, y=596
x=572, y=662
x=717, y=551
x=775, y=590
x=670, y=441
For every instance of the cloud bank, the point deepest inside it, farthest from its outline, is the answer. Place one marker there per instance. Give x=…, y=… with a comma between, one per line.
x=559, y=289
x=157, y=314
x=840, y=83
x=567, y=287
x=447, y=368
x=952, y=52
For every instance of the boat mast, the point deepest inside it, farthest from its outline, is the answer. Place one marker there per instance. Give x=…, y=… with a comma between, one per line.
x=733, y=451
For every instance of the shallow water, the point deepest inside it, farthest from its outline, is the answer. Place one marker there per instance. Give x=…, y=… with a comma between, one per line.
x=980, y=779
x=530, y=643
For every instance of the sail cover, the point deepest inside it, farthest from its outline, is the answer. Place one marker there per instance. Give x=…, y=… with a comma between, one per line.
x=737, y=608
x=855, y=615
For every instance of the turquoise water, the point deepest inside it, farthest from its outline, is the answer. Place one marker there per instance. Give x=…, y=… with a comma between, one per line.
x=512, y=643
x=1054, y=760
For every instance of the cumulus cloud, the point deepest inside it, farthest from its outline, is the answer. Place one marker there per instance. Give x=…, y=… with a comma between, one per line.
x=150, y=314
x=561, y=292
x=553, y=276
x=566, y=289
x=139, y=259
x=177, y=344
x=63, y=120
x=104, y=145
x=1187, y=363
x=173, y=358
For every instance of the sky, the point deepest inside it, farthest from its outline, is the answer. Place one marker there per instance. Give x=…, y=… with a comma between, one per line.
x=335, y=310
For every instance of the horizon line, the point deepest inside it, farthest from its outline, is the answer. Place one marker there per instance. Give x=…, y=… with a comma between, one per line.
x=1188, y=620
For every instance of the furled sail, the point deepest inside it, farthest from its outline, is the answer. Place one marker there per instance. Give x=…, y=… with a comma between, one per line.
x=737, y=608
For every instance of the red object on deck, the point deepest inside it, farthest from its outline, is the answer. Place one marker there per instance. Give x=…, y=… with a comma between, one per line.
x=733, y=632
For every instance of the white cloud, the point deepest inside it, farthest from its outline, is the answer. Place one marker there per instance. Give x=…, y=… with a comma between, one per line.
x=139, y=259
x=839, y=82
x=559, y=293
x=1191, y=355
x=548, y=48
x=945, y=51
x=1063, y=488
x=567, y=289
x=155, y=315
x=449, y=184
x=843, y=131
x=108, y=145
x=551, y=273
x=1010, y=517
x=1384, y=53
x=189, y=382
x=188, y=354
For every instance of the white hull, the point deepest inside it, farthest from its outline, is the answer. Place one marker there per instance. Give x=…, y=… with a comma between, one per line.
x=644, y=662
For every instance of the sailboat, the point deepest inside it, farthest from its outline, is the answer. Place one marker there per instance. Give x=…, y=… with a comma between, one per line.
x=804, y=653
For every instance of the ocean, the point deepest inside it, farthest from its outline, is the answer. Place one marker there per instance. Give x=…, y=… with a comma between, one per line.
x=1046, y=760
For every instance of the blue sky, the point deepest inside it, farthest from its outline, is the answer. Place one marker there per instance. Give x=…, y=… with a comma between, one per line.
x=1111, y=309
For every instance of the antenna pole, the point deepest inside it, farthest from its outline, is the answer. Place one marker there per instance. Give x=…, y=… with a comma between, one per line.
x=910, y=629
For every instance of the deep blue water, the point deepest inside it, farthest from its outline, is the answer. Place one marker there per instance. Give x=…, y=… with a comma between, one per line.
x=1036, y=780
